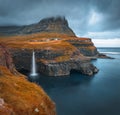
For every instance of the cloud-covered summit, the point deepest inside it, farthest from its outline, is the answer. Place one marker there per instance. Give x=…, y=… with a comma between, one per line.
x=84, y=16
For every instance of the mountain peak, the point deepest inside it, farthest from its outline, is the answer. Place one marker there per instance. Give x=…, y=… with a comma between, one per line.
x=57, y=25
x=58, y=19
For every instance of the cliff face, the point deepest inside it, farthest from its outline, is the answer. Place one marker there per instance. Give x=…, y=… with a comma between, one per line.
x=6, y=60
x=64, y=68
x=17, y=95
x=54, y=59
x=85, y=46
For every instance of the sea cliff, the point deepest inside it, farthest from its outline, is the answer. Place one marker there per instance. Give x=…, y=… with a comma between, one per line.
x=58, y=50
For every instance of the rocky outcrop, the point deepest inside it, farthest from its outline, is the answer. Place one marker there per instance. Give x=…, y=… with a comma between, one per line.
x=49, y=25
x=17, y=95
x=101, y=55
x=6, y=60
x=85, y=46
x=64, y=68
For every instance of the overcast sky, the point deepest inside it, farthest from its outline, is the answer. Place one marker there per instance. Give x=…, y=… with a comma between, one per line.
x=99, y=19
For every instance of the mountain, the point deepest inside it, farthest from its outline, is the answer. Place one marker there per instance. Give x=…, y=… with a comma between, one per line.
x=51, y=25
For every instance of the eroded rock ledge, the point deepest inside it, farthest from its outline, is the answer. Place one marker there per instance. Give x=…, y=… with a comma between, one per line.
x=64, y=68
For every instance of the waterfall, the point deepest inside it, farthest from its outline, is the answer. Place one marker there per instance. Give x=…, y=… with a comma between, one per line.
x=33, y=68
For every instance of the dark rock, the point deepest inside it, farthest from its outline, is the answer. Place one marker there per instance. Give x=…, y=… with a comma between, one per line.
x=64, y=68
x=6, y=60
x=101, y=55
x=85, y=46
x=88, y=69
x=50, y=67
x=49, y=25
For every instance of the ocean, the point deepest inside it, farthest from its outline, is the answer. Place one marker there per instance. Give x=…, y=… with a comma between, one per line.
x=78, y=94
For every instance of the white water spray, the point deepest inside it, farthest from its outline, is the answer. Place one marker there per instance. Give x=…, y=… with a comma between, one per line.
x=33, y=68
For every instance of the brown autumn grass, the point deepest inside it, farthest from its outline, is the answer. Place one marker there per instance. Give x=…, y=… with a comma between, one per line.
x=46, y=41
x=42, y=41
x=22, y=96
x=39, y=36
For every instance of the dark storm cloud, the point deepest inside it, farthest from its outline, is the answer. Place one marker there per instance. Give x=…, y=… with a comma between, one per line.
x=83, y=15
x=111, y=12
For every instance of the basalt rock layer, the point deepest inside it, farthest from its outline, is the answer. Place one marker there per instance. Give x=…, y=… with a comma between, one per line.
x=64, y=68
x=85, y=46
x=17, y=95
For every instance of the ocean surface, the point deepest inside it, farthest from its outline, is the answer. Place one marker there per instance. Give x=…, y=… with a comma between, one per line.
x=83, y=95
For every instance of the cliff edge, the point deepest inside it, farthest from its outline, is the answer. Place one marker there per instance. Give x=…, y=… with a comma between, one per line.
x=17, y=95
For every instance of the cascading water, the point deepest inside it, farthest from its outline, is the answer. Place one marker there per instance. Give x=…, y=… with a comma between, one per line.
x=33, y=68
